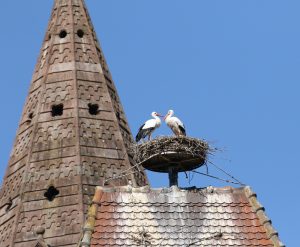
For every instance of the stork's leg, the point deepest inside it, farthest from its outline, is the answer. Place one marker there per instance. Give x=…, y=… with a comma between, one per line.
x=149, y=137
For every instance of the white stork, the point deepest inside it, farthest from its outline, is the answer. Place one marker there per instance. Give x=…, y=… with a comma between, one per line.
x=175, y=124
x=148, y=127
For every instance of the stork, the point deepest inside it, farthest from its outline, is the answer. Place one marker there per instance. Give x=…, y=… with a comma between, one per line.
x=175, y=124
x=148, y=127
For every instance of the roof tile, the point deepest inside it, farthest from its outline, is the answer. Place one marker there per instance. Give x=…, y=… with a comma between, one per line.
x=173, y=217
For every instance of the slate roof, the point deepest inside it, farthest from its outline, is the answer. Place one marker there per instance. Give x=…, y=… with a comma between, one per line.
x=126, y=216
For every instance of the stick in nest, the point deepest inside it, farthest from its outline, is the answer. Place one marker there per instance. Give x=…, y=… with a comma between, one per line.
x=177, y=144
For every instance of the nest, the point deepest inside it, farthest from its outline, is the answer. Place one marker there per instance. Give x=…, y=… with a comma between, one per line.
x=177, y=152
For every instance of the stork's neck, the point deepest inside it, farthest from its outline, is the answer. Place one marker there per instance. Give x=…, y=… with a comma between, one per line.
x=157, y=119
x=167, y=119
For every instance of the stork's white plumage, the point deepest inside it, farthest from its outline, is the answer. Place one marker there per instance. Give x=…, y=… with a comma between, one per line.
x=148, y=127
x=175, y=124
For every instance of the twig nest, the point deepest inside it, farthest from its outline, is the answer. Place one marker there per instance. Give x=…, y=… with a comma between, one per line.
x=177, y=153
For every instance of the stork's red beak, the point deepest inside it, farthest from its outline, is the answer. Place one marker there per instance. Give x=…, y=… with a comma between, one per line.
x=158, y=114
x=165, y=116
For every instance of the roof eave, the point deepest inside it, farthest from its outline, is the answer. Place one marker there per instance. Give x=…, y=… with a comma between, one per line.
x=264, y=219
x=89, y=225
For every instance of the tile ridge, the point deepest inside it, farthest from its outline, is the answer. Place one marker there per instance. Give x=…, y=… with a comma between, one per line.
x=89, y=225
x=148, y=189
x=126, y=188
x=224, y=189
x=259, y=210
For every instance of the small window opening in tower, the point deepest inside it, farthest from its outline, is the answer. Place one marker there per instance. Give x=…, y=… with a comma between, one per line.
x=49, y=36
x=63, y=34
x=93, y=109
x=57, y=110
x=29, y=118
x=30, y=115
x=80, y=33
x=118, y=115
x=51, y=193
x=9, y=204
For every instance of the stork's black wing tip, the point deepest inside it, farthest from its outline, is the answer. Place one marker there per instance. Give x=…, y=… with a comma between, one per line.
x=139, y=135
x=182, y=129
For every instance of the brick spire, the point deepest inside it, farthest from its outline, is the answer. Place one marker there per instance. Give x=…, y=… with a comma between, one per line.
x=73, y=135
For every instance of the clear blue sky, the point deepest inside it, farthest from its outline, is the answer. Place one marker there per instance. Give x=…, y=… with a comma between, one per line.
x=229, y=69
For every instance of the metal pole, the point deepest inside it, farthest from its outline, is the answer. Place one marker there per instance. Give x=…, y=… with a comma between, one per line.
x=173, y=177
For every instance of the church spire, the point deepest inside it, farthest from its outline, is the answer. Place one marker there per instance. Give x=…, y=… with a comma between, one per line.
x=73, y=135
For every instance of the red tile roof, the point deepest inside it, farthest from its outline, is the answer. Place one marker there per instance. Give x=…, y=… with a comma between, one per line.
x=127, y=216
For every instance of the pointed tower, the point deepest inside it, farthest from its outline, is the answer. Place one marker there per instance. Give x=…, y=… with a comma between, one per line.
x=73, y=135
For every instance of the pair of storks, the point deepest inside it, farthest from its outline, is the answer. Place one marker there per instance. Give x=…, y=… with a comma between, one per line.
x=150, y=125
